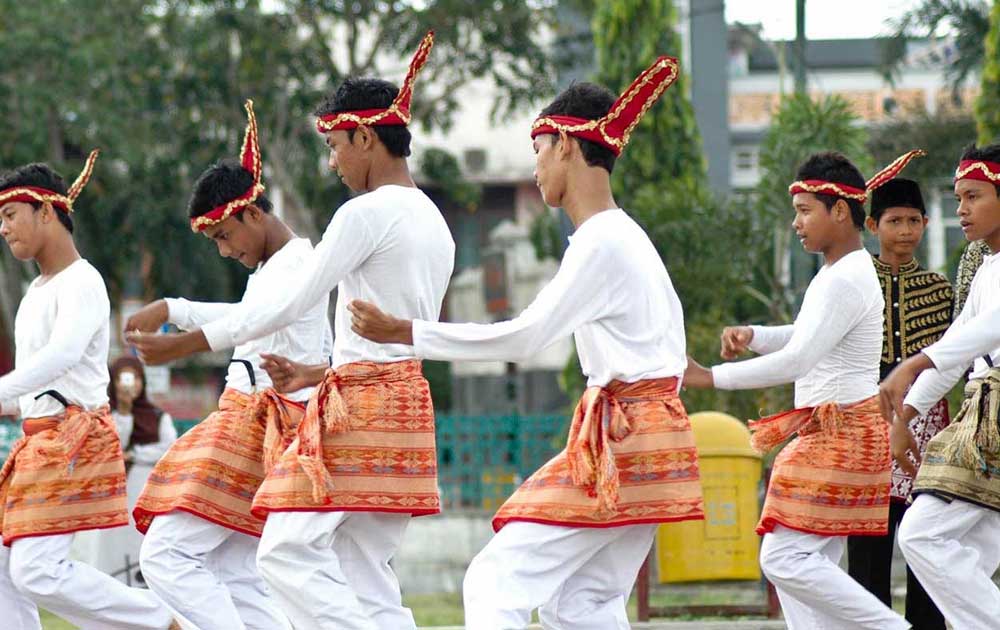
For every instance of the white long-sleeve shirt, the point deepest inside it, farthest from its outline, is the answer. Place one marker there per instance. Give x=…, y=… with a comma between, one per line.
x=390, y=247
x=306, y=339
x=61, y=332
x=832, y=350
x=611, y=292
x=974, y=333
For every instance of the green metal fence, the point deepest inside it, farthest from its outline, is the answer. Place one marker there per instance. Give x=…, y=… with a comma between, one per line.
x=481, y=459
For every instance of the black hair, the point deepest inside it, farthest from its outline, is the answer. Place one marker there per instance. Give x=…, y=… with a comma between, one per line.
x=987, y=153
x=221, y=183
x=39, y=175
x=832, y=166
x=589, y=101
x=357, y=93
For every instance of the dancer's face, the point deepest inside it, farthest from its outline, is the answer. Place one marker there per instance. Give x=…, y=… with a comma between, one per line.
x=240, y=238
x=815, y=224
x=978, y=210
x=350, y=156
x=22, y=226
x=550, y=167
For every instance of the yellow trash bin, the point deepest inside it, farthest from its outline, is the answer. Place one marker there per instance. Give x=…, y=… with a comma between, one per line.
x=724, y=546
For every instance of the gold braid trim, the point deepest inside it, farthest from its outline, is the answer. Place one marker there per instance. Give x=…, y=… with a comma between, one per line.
x=978, y=166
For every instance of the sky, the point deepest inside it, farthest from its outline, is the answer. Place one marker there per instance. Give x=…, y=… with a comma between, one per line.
x=825, y=19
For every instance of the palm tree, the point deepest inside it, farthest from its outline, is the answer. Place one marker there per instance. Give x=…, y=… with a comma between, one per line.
x=967, y=21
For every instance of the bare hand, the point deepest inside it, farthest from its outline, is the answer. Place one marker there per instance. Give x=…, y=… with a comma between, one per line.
x=157, y=349
x=149, y=318
x=697, y=376
x=287, y=375
x=371, y=323
x=904, y=446
x=735, y=341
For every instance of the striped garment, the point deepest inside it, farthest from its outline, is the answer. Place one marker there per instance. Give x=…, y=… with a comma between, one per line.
x=833, y=478
x=366, y=444
x=214, y=470
x=630, y=459
x=66, y=475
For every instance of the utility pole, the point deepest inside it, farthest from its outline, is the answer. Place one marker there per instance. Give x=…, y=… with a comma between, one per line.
x=800, y=46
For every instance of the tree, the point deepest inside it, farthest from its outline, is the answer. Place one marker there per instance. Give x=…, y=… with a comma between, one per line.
x=988, y=103
x=159, y=87
x=968, y=21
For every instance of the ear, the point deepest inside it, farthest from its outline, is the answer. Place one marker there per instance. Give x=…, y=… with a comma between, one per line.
x=47, y=212
x=364, y=137
x=253, y=213
x=872, y=225
x=841, y=211
x=925, y=220
x=565, y=145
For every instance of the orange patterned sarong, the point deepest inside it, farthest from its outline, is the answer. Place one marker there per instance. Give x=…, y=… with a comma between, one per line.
x=833, y=479
x=214, y=470
x=65, y=475
x=630, y=459
x=366, y=444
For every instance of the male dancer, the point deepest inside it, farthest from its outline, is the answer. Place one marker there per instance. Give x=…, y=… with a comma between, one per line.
x=573, y=537
x=832, y=481
x=340, y=498
x=200, y=549
x=949, y=535
x=67, y=473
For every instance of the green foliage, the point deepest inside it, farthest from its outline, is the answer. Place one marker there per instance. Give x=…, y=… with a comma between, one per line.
x=988, y=103
x=443, y=171
x=967, y=23
x=943, y=134
x=546, y=236
x=159, y=87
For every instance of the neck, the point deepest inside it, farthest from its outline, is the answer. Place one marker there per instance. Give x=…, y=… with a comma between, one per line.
x=389, y=171
x=843, y=247
x=895, y=261
x=125, y=407
x=57, y=254
x=588, y=192
x=993, y=242
x=276, y=236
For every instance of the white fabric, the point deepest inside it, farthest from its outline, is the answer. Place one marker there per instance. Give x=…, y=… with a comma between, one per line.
x=390, y=246
x=207, y=575
x=952, y=549
x=61, y=333
x=578, y=578
x=611, y=292
x=331, y=571
x=298, y=339
x=832, y=350
x=116, y=551
x=19, y=612
x=974, y=333
x=40, y=570
x=815, y=593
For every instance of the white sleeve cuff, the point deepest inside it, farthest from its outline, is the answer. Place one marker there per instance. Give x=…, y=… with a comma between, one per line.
x=218, y=336
x=721, y=376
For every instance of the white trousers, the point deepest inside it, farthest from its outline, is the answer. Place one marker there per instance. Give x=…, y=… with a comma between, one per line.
x=207, y=575
x=330, y=570
x=954, y=550
x=815, y=593
x=578, y=578
x=37, y=571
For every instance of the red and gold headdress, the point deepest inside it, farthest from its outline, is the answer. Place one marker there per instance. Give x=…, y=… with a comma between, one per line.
x=615, y=128
x=33, y=194
x=398, y=112
x=837, y=189
x=978, y=169
x=250, y=160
